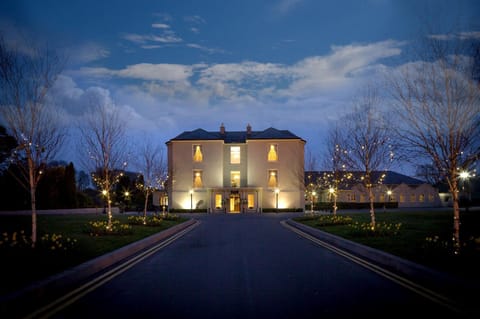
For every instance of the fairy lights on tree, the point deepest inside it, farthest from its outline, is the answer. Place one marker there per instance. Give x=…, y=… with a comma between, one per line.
x=103, y=144
x=25, y=81
x=153, y=172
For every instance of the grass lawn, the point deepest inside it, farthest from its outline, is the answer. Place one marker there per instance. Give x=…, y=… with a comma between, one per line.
x=411, y=241
x=21, y=266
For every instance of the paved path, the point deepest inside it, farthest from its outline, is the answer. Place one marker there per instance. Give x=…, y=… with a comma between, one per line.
x=248, y=266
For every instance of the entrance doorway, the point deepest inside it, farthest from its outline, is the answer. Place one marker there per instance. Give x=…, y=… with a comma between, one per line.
x=234, y=203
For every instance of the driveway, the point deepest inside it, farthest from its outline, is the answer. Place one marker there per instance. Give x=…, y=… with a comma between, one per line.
x=248, y=266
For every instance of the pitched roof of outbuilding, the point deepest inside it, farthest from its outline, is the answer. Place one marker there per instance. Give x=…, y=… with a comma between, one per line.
x=235, y=136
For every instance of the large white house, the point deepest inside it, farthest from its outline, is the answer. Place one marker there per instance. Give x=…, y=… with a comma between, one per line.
x=236, y=171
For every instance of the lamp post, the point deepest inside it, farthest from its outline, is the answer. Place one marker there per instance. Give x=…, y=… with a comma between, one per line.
x=276, y=198
x=389, y=198
x=464, y=176
x=126, y=195
x=191, y=200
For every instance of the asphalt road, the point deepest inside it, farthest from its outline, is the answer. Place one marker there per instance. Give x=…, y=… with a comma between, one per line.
x=249, y=266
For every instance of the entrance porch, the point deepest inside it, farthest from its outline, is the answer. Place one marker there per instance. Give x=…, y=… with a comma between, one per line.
x=235, y=200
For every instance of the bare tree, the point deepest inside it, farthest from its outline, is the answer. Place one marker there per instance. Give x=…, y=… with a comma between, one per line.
x=437, y=100
x=335, y=174
x=104, y=148
x=153, y=169
x=367, y=146
x=25, y=80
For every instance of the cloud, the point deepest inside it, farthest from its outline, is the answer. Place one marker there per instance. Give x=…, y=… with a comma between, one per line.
x=341, y=69
x=204, y=48
x=143, y=71
x=195, y=19
x=160, y=26
x=165, y=37
x=285, y=6
x=88, y=52
x=459, y=35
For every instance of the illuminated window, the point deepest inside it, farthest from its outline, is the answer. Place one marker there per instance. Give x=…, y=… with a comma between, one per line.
x=235, y=178
x=430, y=197
x=234, y=154
x=272, y=153
x=421, y=198
x=413, y=198
x=197, y=153
x=382, y=197
x=362, y=198
x=197, y=179
x=251, y=201
x=402, y=198
x=218, y=201
x=272, y=178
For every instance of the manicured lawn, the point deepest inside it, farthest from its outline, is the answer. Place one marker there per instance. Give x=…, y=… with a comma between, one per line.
x=411, y=241
x=19, y=267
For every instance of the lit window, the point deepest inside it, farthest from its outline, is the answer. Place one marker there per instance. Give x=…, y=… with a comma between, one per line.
x=402, y=198
x=197, y=179
x=235, y=178
x=272, y=178
x=197, y=153
x=234, y=154
x=430, y=197
x=272, y=153
x=251, y=201
x=218, y=201
x=382, y=198
x=413, y=198
x=421, y=198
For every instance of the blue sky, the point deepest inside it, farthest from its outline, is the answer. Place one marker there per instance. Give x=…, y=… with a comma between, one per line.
x=172, y=66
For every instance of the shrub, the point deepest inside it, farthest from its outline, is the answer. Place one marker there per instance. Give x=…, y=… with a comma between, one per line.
x=100, y=228
x=327, y=220
x=381, y=229
x=50, y=242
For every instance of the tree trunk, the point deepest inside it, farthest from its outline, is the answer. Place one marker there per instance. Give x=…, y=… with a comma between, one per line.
x=335, y=203
x=372, y=209
x=456, y=224
x=34, y=215
x=145, y=208
x=109, y=211
x=33, y=203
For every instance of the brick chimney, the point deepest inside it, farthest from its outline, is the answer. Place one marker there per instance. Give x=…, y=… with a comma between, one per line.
x=222, y=129
x=249, y=129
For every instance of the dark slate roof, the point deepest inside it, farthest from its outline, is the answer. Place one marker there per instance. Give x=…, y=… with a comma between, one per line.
x=235, y=136
x=391, y=178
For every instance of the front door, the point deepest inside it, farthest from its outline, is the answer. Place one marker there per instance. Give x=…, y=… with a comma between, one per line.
x=234, y=203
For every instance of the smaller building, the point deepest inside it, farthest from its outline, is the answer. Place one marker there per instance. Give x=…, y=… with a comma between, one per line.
x=396, y=188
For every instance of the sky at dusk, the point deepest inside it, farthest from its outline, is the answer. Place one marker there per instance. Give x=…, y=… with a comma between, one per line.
x=174, y=66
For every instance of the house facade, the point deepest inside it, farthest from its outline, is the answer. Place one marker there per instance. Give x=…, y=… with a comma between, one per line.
x=404, y=190
x=236, y=171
